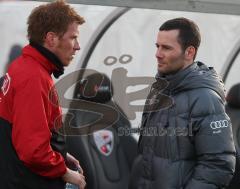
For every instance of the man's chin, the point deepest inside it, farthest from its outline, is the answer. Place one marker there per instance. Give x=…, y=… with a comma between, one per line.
x=161, y=71
x=65, y=64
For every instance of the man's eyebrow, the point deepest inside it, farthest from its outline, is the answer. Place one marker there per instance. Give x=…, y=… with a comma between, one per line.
x=167, y=46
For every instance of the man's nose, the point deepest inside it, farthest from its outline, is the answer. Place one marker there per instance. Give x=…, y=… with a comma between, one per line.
x=77, y=46
x=159, y=53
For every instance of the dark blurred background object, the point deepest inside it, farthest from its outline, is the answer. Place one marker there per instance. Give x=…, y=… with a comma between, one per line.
x=15, y=51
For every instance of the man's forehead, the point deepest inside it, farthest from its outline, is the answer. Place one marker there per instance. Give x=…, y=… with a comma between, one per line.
x=73, y=28
x=168, y=36
x=170, y=33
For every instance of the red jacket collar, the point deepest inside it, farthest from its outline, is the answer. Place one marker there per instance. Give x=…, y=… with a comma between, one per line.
x=34, y=53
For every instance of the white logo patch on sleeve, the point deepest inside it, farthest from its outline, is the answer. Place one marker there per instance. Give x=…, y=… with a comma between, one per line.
x=6, y=84
x=216, y=126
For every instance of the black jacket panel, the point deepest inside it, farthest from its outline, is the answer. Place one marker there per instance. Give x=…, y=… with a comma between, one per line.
x=18, y=175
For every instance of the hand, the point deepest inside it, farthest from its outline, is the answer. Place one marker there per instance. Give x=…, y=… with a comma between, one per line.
x=73, y=163
x=74, y=177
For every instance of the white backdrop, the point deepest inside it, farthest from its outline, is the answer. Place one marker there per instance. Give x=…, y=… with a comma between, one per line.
x=133, y=34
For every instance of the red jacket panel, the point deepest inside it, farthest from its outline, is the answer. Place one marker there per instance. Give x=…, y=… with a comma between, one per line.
x=25, y=103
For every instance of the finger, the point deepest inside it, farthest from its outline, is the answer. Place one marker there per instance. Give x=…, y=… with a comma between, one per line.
x=76, y=162
x=79, y=169
x=82, y=177
x=83, y=184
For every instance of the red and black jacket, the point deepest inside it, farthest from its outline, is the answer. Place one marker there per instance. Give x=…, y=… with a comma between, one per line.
x=29, y=119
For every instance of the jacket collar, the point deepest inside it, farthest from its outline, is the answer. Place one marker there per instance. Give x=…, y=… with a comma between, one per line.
x=47, y=59
x=174, y=80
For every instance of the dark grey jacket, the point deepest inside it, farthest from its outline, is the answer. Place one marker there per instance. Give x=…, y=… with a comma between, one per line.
x=186, y=140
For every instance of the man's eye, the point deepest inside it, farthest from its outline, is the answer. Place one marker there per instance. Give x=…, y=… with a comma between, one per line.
x=167, y=47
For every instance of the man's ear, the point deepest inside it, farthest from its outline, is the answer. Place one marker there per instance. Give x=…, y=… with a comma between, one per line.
x=51, y=39
x=190, y=53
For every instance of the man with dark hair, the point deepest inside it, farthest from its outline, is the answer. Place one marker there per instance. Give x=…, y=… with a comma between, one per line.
x=192, y=144
x=32, y=153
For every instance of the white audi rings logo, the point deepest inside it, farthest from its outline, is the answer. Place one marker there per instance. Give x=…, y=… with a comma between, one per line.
x=219, y=124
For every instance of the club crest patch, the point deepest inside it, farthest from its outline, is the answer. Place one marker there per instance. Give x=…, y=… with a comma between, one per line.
x=104, y=141
x=5, y=84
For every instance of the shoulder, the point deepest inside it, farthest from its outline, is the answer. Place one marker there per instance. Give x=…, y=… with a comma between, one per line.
x=27, y=70
x=204, y=101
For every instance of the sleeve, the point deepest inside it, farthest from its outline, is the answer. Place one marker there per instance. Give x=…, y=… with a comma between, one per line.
x=31, y=135
x=213, y=140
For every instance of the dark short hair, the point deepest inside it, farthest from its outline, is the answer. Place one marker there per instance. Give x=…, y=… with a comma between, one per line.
x=189, y=34
x=54, y=17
